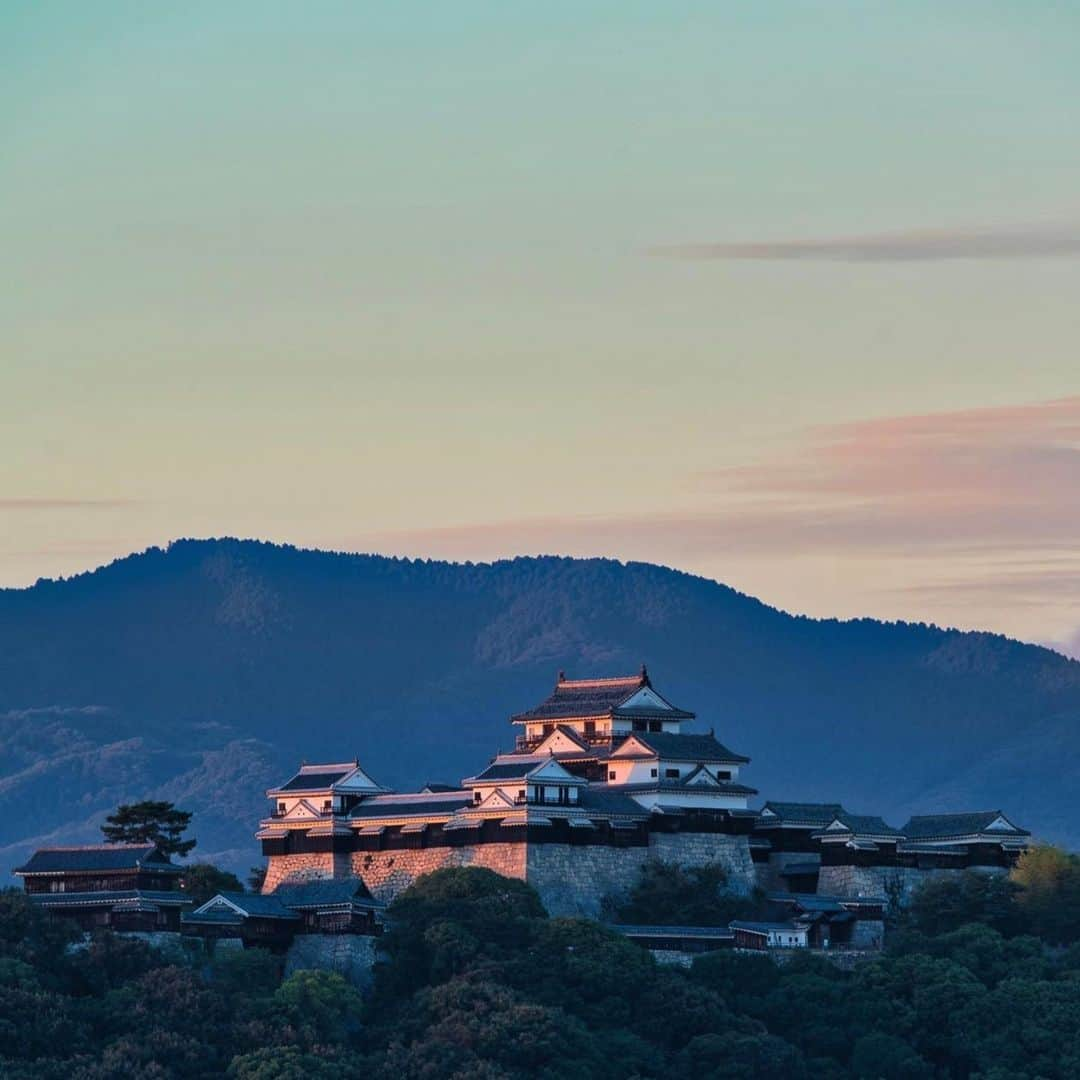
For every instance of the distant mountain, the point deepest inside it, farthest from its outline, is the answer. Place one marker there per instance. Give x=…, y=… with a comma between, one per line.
x=202, y=673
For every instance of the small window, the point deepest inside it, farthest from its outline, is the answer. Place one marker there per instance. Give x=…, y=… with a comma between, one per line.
x=652, y=772
x=521, y=795
x=723, y=775
x=639, y=725
x=476, y=796
x=281, y=808
x=611, y=774
x=327, y=806
x=655, y=725
x=672, y=774
x=590, y=727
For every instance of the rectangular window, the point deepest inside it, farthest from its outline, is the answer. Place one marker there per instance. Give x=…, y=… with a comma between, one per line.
x=672, y=774
x=281, y=808
x=590, y=727
x=521, y=795
x=639, y=725
x=611, y=774
x=722, y=775
x=652, y=772
x=655, y=725
x=327, y=806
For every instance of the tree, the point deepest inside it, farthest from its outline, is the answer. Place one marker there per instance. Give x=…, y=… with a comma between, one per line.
x=671, y=895
x=203, y=880
x=256, y=878
x=1048, y=880
x=942, y=904
x=150, y=822
x=884, y=1057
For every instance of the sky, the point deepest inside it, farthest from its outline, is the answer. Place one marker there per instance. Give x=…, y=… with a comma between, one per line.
x=784, y=294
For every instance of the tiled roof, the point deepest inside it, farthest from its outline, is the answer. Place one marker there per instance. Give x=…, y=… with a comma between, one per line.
x=937, y=826
x=674, y=747
x=585, y=697
x=794, y=813
x=259, y=905
x=101, y=858
x=393, y=806
x=600, y=798
x=764, y=927
x=723, y=787
x=110, y=898
x=861, y=825
x=303, y=895
x=509, y=770
x=432, y=788
x=573, y=698
x=721, y=933
x=314, y=781
x=807, y=901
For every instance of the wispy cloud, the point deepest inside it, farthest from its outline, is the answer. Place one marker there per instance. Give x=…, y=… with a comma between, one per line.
x=981, y=481
x=63, y=504
x=964, y=515
x=923, y=245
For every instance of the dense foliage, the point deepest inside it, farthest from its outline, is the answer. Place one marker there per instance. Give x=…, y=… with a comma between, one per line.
x=203, y=673
x=478, y=983
x=671, y=895
x=150, y=821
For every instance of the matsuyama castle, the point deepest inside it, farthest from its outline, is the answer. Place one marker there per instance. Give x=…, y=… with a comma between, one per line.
x=605, y=773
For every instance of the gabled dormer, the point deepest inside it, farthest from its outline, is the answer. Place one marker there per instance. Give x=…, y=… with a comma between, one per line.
x=527, y=779
x=599, y=710
x=328, y=789
x=563, y=740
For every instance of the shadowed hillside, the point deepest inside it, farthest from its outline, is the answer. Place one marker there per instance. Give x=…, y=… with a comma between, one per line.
x=201, y=673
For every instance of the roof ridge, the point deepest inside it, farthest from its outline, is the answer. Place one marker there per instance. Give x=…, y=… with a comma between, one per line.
x=99, y=847
x=956, y=813
x=611, y=680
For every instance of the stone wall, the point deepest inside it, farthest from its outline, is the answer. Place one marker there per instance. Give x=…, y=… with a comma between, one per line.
x=387, y=873
x=313, y=866
x=767, y=874
x=705, y=849
x=574, y=880
x=867, y=934
x=350, y=955
x=894, y=883
x=571, y=879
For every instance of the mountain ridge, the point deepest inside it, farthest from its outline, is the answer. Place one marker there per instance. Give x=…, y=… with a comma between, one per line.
x=201, y=670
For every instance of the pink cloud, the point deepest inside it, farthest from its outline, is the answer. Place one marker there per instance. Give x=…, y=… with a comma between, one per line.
x=982, y=480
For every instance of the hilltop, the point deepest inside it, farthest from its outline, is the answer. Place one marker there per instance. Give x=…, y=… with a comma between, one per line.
x=203, y=671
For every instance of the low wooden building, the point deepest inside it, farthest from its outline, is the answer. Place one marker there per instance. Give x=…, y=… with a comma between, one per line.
x=770, y=935
x=678, y=939
x=107, y=886
x=273, y=919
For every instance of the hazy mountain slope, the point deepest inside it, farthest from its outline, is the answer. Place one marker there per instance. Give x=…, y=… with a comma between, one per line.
x=203, y=672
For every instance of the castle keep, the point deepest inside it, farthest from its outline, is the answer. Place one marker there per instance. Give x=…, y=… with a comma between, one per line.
x=603, y=777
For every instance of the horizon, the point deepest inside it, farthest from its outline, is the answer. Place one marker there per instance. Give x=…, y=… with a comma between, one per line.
x=164, y=548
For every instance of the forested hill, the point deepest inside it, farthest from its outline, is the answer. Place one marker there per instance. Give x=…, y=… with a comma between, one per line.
x=202, y=673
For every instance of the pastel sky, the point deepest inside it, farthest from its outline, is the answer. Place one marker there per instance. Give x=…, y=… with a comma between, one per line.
x=782, y=293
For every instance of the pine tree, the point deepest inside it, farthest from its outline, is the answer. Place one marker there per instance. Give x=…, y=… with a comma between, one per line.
x=150, y=822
